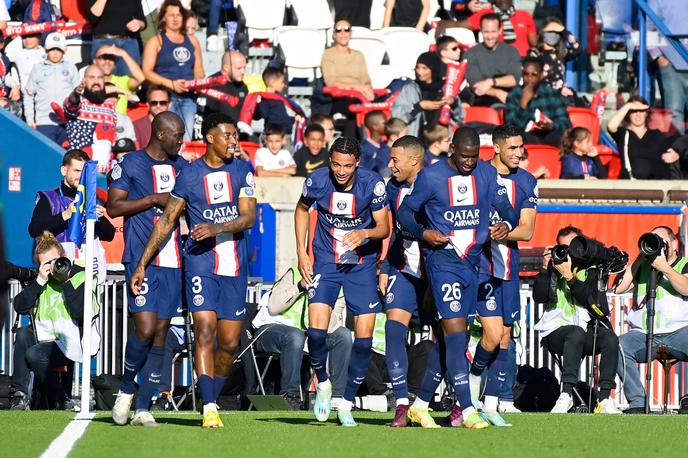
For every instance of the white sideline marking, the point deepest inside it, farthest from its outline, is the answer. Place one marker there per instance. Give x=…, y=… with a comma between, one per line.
x=63, y=444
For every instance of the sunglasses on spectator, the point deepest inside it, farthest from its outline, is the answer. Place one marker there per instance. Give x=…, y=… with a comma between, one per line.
x=107, y=57
x=342, y=29
x=159, y=102
x=454, y=48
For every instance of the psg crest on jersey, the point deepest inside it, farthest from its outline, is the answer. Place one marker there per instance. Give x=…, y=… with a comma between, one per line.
x=462, y=188
x=341, y=205
x=165, y=177
x=218, y=186
x=455, y=306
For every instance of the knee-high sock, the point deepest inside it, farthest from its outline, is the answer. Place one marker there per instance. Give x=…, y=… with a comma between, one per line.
x=397, y=359
x=317, y=350
x=206, y=386
x=482, y=360
x=496, y=373
x=358, y=367
x=457, y=366
x=433, y=374
x=150, y=378
x=134, y=358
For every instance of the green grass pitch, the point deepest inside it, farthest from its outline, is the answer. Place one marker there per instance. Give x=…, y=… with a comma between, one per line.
x=291, y=434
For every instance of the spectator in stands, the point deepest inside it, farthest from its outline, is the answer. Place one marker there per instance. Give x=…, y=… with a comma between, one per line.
x=671, y=314
x=121, y=148
x=448, y=49
x=673, y=69
x=555, y=47
x=191, y=24
x=124, y=85
x=328, y=125
x=273, y=160
x=643, y=150
x=30, y=54
x=50, y=81
x=56, y=339
x=436, y=138
x=274, y=112
x=53, y=210
x=537, y=109
x=374, y=149
x=579, y=158
x=281, y=321
x=234, y=68
x=159, y=100
x=124, y=128
x=10, y=90
x=345, y=68
x=419, y=102
x=213, y=42
x=90, y=116
x=573, y=302
x=494, y=68
x=395, y=128
x=355, y=12
x=407, y=13
x=117, y=22
x=4, y=16
x=312, y=155
x=171, y=58
x=518, y=27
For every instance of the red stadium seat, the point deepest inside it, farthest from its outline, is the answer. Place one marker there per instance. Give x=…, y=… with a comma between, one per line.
x=74, y=10
x=483, y=114
x=585, y=117
x=539, y=155
x=137, y=112
x=250, y=148
x=486, y=152
x=611, y=160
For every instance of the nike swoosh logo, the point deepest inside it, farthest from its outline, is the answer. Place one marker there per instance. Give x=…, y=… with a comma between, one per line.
x=165, y=188
x=372, y=306
x=240, y=312
x=153, y=375
x=460, y=377
x=217, y=197
x=502, y=374
x=513, y=315
x=310, y=166
x=180, y=310
x=397, y=377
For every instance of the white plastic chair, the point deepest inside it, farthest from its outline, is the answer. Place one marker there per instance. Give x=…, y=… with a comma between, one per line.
x=362, y=32
x=303, y=50
x=404, y=45
x=464, y=36
x=373, y=50
x=382, y=75
x=313, y=14
x=78, y=51
x=262, y=17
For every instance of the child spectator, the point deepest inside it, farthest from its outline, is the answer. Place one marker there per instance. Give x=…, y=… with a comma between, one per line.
x=50, y=81
x=274, y=160
x=27, y=56
x=540, y=173
x=395, y=128
x=579, y=157
x=10, y=93
x=312, y=156
x=374, y=151
x=437, y=140
x=273, y=111
x=328, y=124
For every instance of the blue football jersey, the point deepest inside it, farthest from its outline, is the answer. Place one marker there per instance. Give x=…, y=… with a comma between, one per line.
x=404, y=250
x=212, y=196
x=500, y=258
x=340, y=212
x=140, y=175
x=458, y=205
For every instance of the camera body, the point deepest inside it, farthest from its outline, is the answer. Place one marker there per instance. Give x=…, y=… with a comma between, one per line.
x=588, y=252
x=652, y=245
x=61, y=268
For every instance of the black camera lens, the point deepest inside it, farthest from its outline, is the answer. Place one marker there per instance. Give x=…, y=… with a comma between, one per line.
x=61, y=267
x=651, y=244
x=560, y=254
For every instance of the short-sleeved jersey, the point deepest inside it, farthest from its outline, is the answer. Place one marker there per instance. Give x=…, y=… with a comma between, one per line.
x=212, y=197
x=500, y=258
x=458, y=205
x=404, y=250
x=140, y=175
x=340, y=212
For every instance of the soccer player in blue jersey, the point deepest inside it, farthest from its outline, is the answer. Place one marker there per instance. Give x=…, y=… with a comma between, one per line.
x=499, y=299
x=402, y=281
x=352, y=222
x=218, y=194
x=140, y=187
x=455, y=197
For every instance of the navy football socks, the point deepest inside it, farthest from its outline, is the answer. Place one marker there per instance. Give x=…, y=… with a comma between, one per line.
x=496, y=373
x=457, y=366
x=150, y=378
x=135, y=356
x=433, y=375
x=206, y=386
x=317, y=350
x=397, y=359
x=358, y=367
x=481, y=360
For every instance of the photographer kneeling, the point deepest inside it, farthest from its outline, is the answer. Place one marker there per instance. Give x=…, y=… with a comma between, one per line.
x=570, y=290
x=55, y=339
x=671, y=310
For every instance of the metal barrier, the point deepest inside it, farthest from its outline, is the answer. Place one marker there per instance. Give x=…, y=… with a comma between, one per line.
x=115, y=329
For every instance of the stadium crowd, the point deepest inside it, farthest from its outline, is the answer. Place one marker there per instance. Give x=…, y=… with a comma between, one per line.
x=144, y=86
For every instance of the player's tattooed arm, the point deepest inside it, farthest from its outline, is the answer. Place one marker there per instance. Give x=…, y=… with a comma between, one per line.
x=245, y=220
x=166, y=224
x=526, y=226
x=301, y=230
x=354, y=239
x=118, y=203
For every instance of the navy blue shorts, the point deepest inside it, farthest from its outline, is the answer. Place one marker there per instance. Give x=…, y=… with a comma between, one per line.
x=406, y=292
x=497, y=297
x=161, y=291
x=453, y=285
x=226, y=296
x=359, y=282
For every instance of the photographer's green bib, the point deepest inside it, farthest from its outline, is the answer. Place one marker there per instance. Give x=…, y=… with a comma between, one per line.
x=55, y=324
x=566, y=311
x=671, y=309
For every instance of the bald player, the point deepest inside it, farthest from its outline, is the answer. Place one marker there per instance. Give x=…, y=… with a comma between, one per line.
x=139, y=190
x=402, y=282
x=234, y=68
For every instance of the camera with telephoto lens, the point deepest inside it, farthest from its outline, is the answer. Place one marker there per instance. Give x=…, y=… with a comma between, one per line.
x=652, y=245
x=61, y=268
x=560, y=253
x=588, y=252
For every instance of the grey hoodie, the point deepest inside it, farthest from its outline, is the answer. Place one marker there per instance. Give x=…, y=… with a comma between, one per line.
x=48, y=83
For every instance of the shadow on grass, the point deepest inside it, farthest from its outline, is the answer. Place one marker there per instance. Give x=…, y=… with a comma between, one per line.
x=182, y=421
x=312, y=422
